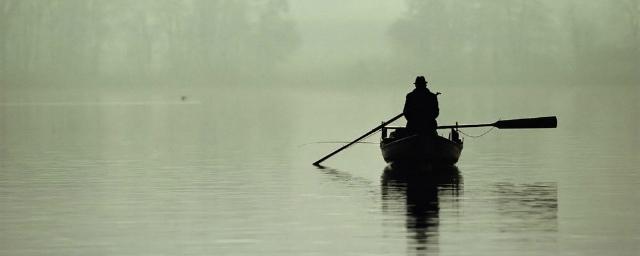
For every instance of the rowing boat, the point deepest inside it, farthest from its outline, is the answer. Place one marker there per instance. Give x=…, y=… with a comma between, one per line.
x=404, y=148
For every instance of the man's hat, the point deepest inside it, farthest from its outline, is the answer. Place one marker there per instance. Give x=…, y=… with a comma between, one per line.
x=420, y=80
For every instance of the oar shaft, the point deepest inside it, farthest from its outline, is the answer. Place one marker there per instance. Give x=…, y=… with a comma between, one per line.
x=358, y=139
x=522, y=123
x=464, y=126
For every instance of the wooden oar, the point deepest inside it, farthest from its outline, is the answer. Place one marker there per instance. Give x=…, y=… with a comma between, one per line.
x=524, y=123
x=317, y=163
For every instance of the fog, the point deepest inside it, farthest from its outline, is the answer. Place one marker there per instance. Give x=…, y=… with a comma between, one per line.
x=185, y=127
x=349, y=44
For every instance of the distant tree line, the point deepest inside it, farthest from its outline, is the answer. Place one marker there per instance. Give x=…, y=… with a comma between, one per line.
x=522, y=41
x=225, y=42
x=120, y=42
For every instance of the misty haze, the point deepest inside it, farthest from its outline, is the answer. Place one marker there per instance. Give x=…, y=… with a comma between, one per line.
x=188, y=127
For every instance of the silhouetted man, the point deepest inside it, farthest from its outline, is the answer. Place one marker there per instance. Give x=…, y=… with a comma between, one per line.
x=421, y=109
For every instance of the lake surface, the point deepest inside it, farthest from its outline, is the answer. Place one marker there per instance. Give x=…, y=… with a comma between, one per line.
x=230, y=174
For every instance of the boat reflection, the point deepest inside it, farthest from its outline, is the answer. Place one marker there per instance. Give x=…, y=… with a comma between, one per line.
x=420, y=189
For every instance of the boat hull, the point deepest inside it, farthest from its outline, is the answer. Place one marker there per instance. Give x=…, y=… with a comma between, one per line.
x=421, y=149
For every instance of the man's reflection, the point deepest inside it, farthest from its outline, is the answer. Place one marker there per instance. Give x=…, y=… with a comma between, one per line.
x=420, y=188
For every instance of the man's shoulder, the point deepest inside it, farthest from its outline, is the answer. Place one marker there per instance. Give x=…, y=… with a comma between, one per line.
x=431, y=94
x=421, y=92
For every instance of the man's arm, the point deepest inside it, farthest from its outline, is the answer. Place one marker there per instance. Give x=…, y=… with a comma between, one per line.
x=407, y=108
x=436, y=109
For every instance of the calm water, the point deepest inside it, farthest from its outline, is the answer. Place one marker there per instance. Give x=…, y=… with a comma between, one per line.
x=231, y=175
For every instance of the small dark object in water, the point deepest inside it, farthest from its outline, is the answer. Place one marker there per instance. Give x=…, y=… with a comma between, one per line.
x=183, y=98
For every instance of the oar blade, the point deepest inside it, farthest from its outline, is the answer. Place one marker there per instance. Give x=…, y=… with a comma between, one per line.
x=528, y=123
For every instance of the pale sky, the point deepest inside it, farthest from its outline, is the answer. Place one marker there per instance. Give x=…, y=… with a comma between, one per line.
x=357, y=27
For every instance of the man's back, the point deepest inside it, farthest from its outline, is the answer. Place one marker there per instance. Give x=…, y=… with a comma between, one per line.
x=421, y=110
